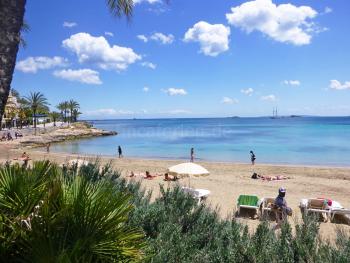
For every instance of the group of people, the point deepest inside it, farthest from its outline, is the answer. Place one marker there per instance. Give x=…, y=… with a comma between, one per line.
x=8, y=137
x=192, y=156
x=148, y=175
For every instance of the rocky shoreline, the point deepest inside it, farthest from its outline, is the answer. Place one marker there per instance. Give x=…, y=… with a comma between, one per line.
x=60, y=134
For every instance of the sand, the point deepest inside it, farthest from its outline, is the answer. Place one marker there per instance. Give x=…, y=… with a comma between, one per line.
x=228, y=180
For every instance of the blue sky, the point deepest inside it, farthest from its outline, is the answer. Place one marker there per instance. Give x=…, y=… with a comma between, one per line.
x=189, y=58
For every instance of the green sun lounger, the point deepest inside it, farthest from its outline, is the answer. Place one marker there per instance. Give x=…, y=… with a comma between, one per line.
x=247, y=202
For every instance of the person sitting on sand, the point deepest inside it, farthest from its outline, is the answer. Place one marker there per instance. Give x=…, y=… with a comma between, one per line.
x=25, y=159
x=167, y=178
x=3, y=137
x=282, y=208
x=9, y=137
x=132, y=174
x=149, y=176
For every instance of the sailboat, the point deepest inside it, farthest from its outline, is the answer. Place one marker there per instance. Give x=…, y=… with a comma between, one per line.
x=274, y=113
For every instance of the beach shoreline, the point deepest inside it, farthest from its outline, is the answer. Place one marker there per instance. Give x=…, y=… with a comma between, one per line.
x=199, y=160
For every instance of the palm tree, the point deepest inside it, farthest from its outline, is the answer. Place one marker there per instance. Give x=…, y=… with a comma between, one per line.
x=55, y=116
x=76, y=113
x=36, y=101
x=11, y=24
x=62, y=107
x=73, y=105
x=51, y=214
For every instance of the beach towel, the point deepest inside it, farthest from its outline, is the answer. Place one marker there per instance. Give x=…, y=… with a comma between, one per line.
x=250, y=200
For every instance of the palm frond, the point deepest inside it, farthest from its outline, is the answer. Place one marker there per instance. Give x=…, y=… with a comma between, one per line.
x=120, y=8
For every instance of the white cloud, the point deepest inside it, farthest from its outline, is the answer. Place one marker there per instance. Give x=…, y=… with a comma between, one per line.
x=142, y=38
x=162, y=38
x=269, y=98
x=283, y=23
x=327, y=10
x=248, y=91
x=213, y=39
x=145, y=89
x=292, y=82
x=33, y=64
x=146, y=1
x=110, y=34
x=97, y=50
x=148, y=65
x=227, y=100
x=86, y=76
x=174, y=92
x=69, y=24
x=337, y=85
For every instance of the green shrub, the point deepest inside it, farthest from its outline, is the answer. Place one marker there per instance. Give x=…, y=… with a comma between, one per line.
x=49, y=214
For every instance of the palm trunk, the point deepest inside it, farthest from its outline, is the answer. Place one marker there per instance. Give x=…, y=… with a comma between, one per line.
x=11, y=21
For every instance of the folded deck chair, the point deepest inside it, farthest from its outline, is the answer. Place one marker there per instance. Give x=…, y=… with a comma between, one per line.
x=266, y=205
x=316, y=205
x=199, y=194
x=338, y=209
x=247, y=202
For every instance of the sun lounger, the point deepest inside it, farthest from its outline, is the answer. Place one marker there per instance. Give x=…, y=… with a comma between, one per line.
x=199, y=194
x=316, y=205
x=247, y=202
x=266, y=206
x=339, y=211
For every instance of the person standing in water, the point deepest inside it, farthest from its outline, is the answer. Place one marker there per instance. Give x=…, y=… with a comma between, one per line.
x=192, y=155
x=120, y=152
x=252, y=157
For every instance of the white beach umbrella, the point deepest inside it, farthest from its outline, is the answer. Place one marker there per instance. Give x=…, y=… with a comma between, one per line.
x=187, y=169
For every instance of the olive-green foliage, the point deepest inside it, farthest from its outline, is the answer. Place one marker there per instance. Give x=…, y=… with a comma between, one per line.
x=180, y=230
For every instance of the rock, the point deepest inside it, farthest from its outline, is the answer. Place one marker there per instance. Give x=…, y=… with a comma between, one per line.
x=74, y=131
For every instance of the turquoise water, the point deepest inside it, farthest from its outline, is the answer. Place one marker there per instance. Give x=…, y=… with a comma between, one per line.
x=300, y=140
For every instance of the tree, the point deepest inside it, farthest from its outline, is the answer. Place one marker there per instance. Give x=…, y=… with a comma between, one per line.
x=63, y=107
x=36, y=101
x=11, y=24
x=55, y=116
x=73, y=106
x=53, y=214
x=76, y=114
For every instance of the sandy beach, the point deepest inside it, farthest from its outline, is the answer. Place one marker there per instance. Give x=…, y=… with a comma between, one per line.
x=228, y=180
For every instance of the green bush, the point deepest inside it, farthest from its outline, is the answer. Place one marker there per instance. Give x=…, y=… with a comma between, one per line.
x=91, y=214
x=49, y=214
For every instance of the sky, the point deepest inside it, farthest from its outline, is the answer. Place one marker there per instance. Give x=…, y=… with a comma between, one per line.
x=189, y=58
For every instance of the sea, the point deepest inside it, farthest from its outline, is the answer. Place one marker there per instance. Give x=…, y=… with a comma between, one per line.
x=320, y=141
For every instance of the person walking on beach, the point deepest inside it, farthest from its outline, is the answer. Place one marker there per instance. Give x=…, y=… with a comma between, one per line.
x=252, y=157
x=120, y=152
x=192, y=155
x=48, y=147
